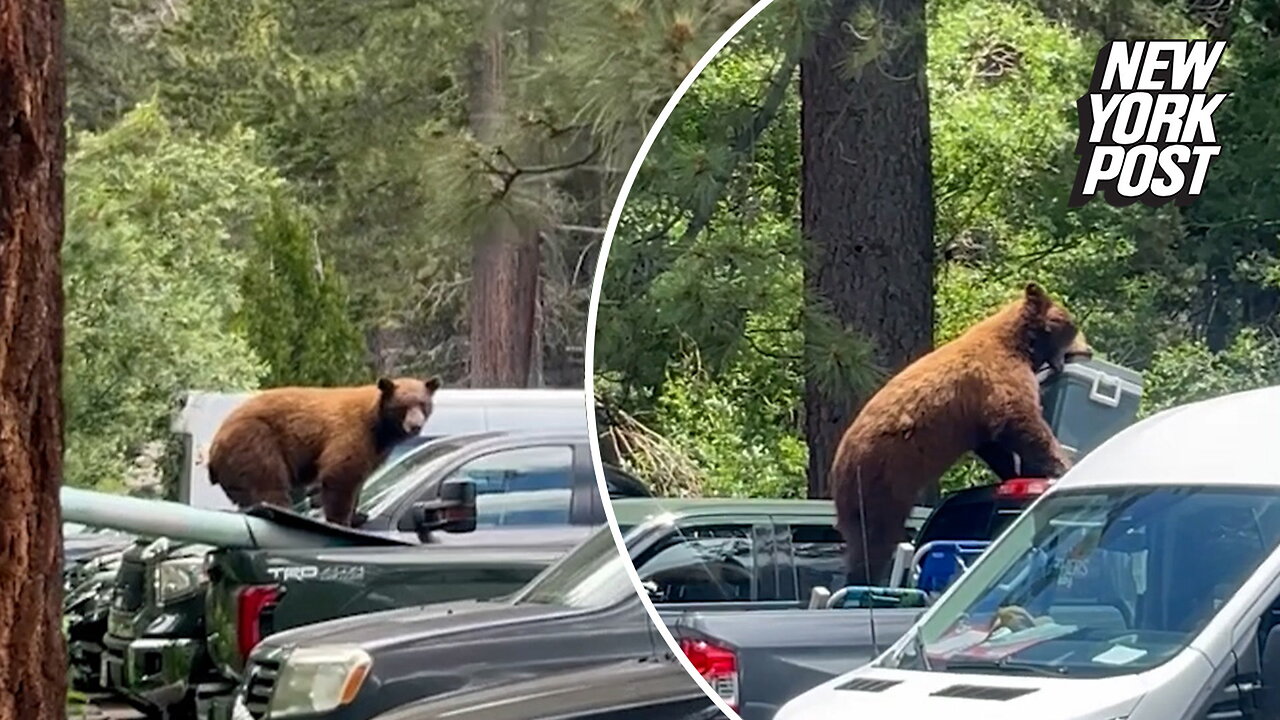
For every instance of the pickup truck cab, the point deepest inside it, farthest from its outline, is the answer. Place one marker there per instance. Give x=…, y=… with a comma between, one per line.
x=1143, y=585
x=581, y=612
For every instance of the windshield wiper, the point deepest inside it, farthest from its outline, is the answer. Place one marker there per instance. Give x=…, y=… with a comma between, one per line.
x=1010, y=666
x=920, y=651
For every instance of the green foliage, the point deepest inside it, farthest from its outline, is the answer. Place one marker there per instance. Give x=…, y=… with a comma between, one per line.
x=151, y=280
x=1189, y=296
x=294, y=313
x=1189, y=371
x=733, y=429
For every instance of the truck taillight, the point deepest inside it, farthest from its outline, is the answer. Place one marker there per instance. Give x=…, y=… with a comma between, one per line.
x=252, y=603
x=718, y=665
x=1020, y=488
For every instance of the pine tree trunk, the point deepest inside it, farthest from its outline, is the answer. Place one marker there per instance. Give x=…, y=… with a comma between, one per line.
x=867, y=205
x=504, y=264
x=32, y=147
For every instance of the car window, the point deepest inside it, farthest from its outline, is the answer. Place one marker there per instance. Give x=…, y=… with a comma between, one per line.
x=817, y=553
x=710, y=563
x=523, y=486
x=1100, y=582
x=964, y=516
x=386, y=481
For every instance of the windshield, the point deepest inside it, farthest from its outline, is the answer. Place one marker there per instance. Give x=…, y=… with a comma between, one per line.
x=592, y=575
x=383, y=482
x=1100, y=582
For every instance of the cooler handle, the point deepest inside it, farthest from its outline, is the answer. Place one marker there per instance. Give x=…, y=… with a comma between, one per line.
x=1112, y=400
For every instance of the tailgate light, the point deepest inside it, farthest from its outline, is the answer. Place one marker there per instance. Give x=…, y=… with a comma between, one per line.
x=252, y=603
x=718, y=665
x=1019, y=488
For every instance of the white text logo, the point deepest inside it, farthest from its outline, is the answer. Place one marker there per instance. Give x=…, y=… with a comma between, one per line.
x=1146, y=125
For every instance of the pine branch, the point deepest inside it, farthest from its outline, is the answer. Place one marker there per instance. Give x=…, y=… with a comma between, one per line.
x=746, y=141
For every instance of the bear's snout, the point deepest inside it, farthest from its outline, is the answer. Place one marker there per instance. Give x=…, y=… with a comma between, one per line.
x=414, y=419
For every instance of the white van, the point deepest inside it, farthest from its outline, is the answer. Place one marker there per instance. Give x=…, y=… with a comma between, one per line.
x=455, y=411
x=1144, y=585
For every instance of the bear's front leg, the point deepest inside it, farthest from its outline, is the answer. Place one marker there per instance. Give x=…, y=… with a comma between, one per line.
x=1027, y=434
x=339, y=502
x=340, y=477
x=1002, y=462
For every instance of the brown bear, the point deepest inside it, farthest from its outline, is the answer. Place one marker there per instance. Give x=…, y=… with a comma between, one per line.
x=976, y=393
x=330, y=438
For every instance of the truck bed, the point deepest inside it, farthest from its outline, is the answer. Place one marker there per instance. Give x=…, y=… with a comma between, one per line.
x=782, y=653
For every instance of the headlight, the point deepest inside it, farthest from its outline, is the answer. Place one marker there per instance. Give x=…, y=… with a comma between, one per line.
x=177, y=579
x=319, y=680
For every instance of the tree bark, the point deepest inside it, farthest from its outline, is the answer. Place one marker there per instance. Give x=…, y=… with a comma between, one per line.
x=867, y=203
x=504, y=263
x=32, y=148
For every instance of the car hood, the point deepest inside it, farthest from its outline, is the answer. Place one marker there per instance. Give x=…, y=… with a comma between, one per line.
x=392, y=629
x=957, y=696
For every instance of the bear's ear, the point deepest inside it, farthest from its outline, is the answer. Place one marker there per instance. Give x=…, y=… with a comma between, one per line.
x=386, y=386
x=1037, y=300
x=432, y=383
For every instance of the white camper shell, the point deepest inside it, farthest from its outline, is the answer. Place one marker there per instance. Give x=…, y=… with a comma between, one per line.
x=1144, y=585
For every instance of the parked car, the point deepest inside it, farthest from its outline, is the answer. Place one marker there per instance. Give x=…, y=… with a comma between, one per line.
x=1145, y=585
x=629, y=690
x=81, y=543
x=536, y=496
x=582, y=612
x=84, y=610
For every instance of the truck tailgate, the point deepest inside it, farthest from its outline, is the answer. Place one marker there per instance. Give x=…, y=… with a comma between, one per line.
x=782, y=653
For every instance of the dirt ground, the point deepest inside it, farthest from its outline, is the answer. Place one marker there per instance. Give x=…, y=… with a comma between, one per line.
x=104, y=708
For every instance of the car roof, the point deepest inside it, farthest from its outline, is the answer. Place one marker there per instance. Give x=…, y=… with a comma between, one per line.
x=1223, y=441
x=500, y=438
x=633, y=511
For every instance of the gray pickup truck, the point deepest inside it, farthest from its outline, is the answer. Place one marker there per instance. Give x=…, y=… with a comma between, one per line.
x=763, y=658
x=760, y=660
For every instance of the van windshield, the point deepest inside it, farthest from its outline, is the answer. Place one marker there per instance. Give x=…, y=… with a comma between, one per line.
x=1099, y=582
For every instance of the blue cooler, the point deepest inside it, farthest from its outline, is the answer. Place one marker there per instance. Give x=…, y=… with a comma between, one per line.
x=1088, y=402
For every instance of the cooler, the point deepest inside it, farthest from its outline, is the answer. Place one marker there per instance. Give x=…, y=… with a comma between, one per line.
x=1088, y=402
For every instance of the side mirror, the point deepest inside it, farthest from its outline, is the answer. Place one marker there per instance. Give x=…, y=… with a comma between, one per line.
x=454, y=511
x=654, y=592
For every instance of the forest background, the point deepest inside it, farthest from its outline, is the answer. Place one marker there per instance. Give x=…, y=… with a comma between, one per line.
x=276, y=192
x=729, y=357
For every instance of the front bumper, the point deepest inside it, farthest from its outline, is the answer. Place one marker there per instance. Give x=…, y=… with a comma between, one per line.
x=151, y=673
x=159, y=672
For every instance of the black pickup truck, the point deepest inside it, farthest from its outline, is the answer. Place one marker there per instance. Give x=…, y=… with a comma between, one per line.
x=183, y=619
x=695, y=554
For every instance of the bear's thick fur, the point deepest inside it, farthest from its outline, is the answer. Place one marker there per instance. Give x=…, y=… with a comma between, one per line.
x=331, y=438
x=976, y=393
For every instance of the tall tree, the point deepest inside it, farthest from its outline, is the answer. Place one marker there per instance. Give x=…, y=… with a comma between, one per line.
x=866, y=197
x=32, y=148
x=505, y=257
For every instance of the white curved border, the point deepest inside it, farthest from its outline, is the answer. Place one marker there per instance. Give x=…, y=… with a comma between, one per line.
x=592, y=313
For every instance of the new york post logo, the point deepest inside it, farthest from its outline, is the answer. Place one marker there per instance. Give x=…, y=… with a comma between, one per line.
x=1146, y=125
